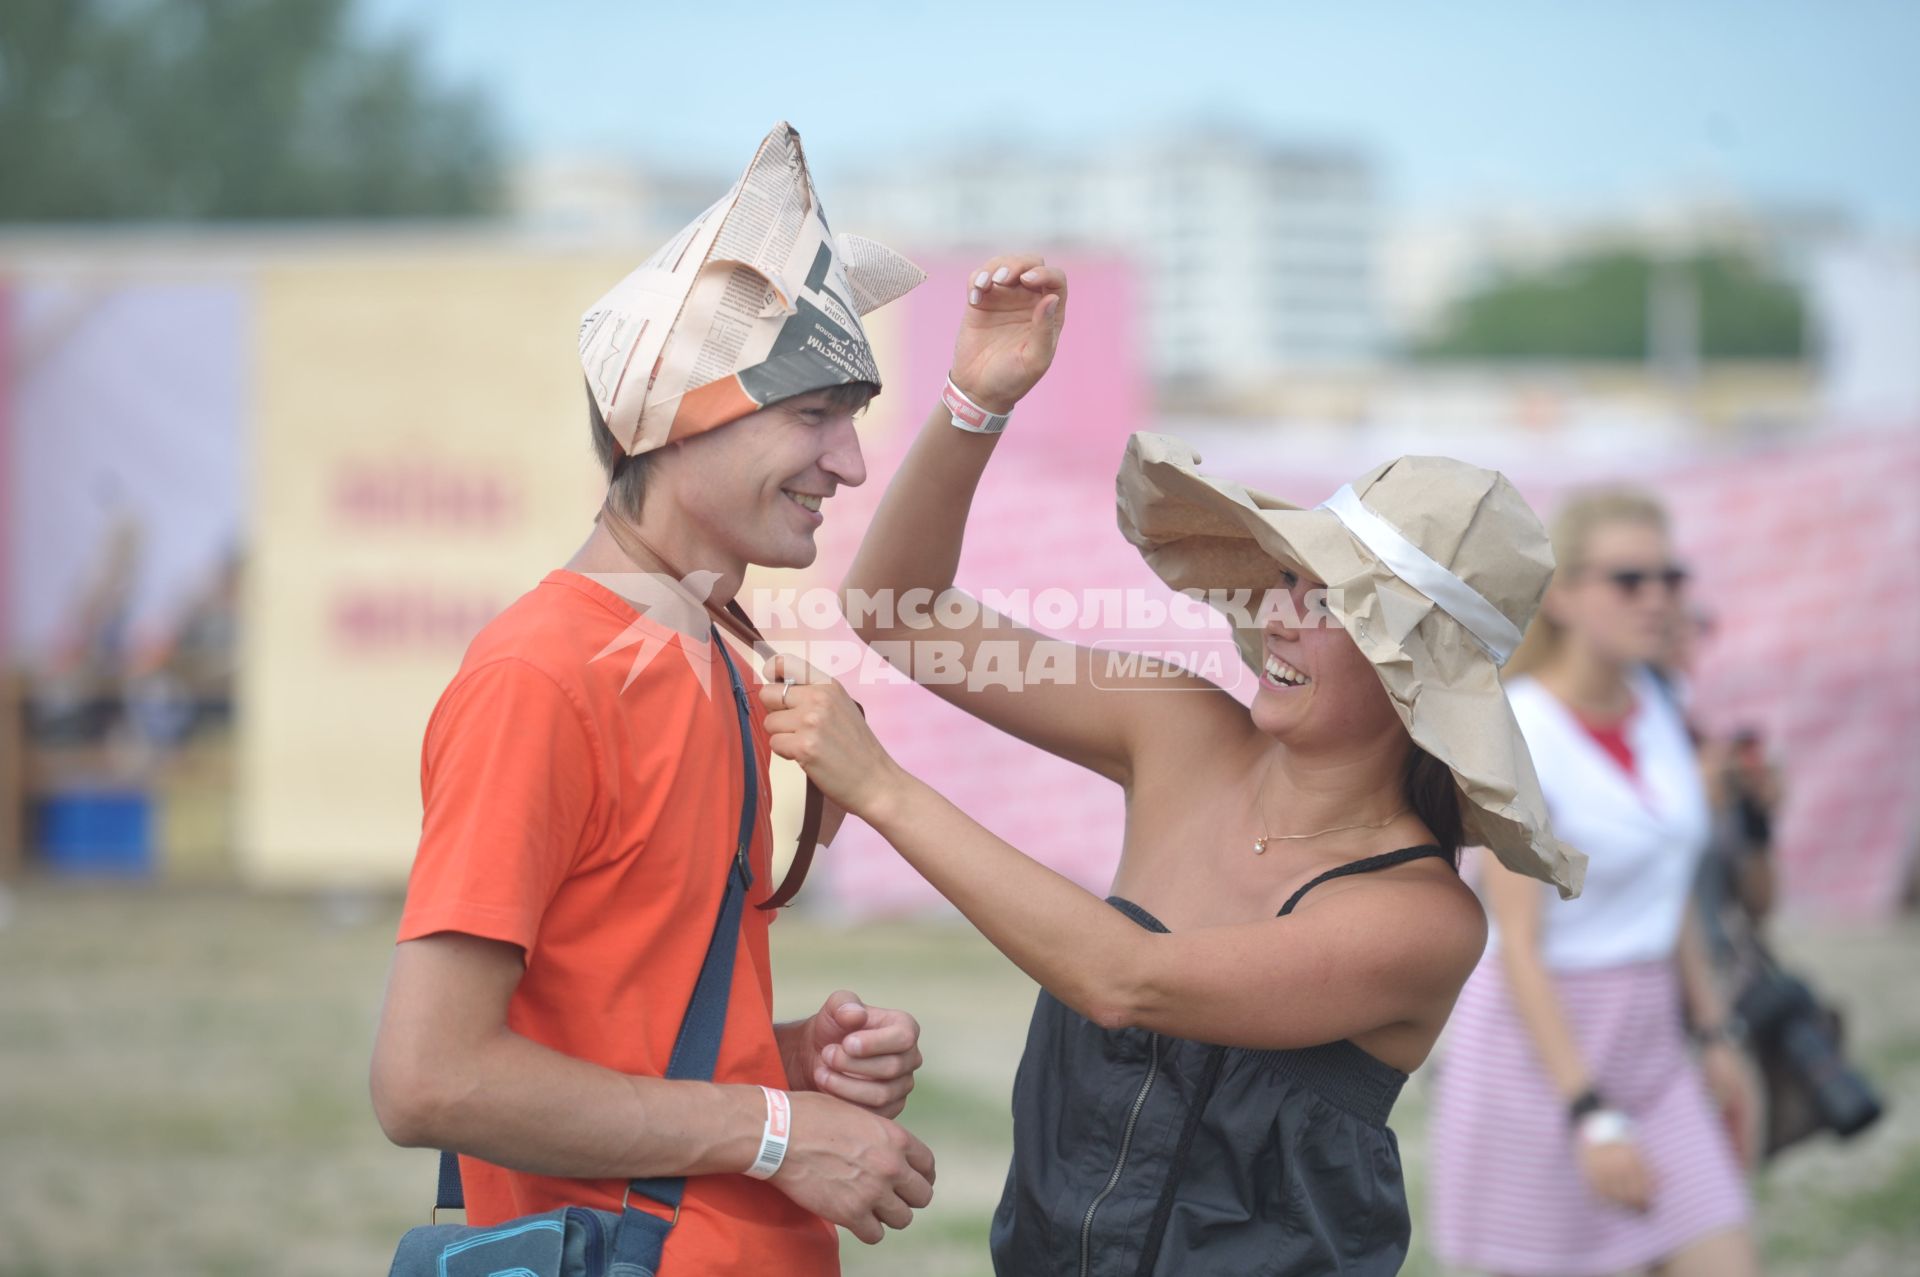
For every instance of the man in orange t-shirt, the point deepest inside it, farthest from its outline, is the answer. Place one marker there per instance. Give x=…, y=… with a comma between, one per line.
x=582, y=780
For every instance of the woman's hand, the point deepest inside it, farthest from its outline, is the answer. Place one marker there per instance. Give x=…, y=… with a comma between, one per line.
x=1016, y=305
x=1731, y=1084
x=813, y=721
x=1615, y=1172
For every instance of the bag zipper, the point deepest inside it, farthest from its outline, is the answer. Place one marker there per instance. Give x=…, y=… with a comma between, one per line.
x=1126, y=1144
x=596, y=1239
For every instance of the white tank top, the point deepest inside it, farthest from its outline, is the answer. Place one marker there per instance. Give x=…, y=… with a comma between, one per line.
x=1643, y=832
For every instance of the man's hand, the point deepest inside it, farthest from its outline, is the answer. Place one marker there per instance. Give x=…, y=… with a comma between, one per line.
x=861, y=1054
x=1016, y=305
x=859, y=1170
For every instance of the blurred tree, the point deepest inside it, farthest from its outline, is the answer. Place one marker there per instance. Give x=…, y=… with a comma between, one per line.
x=1599, y=306
x=239, y=109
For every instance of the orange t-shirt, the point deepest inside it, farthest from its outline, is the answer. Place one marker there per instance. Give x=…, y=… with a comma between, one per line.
x=592, y=823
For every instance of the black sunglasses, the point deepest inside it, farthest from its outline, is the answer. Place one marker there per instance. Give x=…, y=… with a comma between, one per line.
x=1629, y=580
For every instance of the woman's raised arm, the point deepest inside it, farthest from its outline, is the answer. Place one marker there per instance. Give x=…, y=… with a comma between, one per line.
x=1006, y=344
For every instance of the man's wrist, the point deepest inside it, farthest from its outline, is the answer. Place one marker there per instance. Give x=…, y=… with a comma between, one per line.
x=776, y=1130
x=794, y=1039
x=745, y=1109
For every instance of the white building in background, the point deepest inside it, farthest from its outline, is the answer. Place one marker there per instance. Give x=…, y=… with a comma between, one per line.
x=1257, y=258
x=1866, y=295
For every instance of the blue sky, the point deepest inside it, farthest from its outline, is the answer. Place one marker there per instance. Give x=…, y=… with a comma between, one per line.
x=1578, y=106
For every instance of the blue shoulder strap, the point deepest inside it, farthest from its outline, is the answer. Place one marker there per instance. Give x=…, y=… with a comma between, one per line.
x=641, y=1236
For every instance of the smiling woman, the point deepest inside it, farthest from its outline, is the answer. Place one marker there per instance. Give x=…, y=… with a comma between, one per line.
x=1217, y=1045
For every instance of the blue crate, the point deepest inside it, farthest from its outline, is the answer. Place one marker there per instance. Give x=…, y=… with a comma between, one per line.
x=96, y=832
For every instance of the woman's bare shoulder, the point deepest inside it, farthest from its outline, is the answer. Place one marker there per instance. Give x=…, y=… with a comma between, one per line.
x=1424, y=900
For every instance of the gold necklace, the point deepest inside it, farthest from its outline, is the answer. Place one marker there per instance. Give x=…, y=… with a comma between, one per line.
x=1260, y=843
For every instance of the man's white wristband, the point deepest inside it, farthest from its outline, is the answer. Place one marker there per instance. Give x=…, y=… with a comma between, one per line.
x=970, y=416
x=773, y=1138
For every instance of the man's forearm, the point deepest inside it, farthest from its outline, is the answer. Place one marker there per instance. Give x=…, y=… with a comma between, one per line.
x=521, y=1105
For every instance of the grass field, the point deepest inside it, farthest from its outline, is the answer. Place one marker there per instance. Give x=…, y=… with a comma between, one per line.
x=182, y=1089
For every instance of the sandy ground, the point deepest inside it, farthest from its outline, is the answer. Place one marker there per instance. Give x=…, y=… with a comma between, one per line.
x=182, y=1089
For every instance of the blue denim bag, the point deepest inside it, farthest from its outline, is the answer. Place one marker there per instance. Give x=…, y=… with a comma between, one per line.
x=576, y=1241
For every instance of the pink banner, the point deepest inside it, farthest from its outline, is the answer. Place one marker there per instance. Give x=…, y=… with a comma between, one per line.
x=1044, y=519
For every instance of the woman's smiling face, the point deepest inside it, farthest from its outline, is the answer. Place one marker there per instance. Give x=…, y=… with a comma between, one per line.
x=1316, y=688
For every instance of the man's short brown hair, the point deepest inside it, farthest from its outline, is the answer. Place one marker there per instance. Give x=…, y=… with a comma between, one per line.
x=627, y=475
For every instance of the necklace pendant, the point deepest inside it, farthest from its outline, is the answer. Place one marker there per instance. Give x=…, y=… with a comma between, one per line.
x=1260, y=846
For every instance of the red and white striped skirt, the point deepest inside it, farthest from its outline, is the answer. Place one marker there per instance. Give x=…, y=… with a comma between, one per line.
x=1504, y=1189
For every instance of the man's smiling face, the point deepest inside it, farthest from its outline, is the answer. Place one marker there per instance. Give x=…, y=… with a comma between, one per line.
x=753, y=490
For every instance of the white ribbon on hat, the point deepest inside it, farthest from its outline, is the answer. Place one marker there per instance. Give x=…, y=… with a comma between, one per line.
x=1488, y=625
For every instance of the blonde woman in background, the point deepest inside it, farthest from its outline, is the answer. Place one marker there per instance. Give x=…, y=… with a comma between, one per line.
x=1574, y=1131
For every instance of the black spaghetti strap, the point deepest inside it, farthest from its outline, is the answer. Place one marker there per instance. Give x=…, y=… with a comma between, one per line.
x=1386, y=860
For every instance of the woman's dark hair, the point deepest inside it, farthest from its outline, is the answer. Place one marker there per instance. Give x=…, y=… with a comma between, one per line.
x=1430, y=790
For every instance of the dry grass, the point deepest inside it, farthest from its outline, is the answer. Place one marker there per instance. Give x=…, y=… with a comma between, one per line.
x=182, y=1089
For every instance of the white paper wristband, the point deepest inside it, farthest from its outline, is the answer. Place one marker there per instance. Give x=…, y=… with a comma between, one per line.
x=773, y=1137
x=1605, y=1126
x=970, y=416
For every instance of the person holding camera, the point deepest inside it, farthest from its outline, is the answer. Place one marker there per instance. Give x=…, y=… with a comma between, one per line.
x=1574, y=1129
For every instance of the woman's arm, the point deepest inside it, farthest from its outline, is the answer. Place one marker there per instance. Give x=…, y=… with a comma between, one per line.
x=1726, y=1072
x=1515, y=903
x=1611, y=1164
x=1357, y=961
x=1006, y=343
x=1706, y=1008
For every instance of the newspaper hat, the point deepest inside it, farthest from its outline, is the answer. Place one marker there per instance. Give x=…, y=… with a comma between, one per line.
x=755, y=300
x=1432, y=565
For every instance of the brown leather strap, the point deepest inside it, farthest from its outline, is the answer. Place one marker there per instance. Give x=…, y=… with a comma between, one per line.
x=815, y=810
x=734, y=619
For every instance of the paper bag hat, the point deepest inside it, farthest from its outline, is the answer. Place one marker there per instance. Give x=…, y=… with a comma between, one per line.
x=756, y=300
x=1433, y=566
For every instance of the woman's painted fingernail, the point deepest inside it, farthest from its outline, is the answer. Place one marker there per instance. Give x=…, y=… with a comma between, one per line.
x=1032, y=276
x=980, y=280
x=1000, y=276
x=973, y=296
